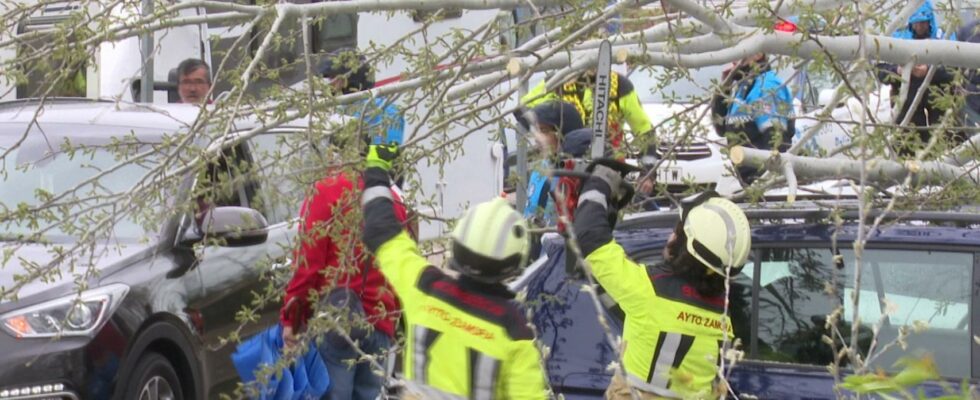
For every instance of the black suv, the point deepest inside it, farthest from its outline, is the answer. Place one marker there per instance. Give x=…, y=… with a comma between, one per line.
x=150, y=316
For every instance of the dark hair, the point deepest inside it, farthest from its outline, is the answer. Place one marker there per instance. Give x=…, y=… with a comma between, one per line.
x=350, y=64
x=193, y=64
x=706, y=282
x=561, y=115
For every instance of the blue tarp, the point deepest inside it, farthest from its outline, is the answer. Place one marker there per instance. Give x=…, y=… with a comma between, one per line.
x=305, y=379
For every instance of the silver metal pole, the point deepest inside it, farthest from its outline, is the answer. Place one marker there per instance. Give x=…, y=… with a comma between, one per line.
x=146, y=47
x=522, y=138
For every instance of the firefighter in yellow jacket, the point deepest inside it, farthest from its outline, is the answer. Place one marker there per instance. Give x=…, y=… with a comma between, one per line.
x=624, y=104
x=675, y=324
x=466, y=336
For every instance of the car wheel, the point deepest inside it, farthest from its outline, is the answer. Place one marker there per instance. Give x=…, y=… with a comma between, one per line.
x=154, y=379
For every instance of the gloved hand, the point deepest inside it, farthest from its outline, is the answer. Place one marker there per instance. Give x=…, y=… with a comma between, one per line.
x=381, y=156
x=621, y=192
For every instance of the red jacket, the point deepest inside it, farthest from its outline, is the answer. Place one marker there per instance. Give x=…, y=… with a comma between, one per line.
x=322, y=263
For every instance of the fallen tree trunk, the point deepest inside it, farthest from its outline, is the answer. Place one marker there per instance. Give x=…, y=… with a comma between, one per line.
x=879, y=171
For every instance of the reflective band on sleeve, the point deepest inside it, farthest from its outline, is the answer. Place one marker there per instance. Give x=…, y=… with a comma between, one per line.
x=424, y=338
x=420, y=391
x=375, y=192
x=593, y=196
x=484, y=372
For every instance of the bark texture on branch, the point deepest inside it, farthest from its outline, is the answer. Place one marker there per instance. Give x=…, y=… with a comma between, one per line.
x=880, y=172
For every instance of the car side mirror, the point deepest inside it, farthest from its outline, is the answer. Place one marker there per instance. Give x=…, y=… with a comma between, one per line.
x=231, y=226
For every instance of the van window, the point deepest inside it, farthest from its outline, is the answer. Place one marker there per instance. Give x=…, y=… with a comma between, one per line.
x=926, y=288
x=335, y=32
x=66, y=69
x=444, y=13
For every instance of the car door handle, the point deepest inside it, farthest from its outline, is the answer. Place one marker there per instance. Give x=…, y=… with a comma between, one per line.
x=281, y=263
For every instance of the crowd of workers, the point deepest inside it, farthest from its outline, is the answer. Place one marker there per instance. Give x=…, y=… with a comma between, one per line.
x=464, y=335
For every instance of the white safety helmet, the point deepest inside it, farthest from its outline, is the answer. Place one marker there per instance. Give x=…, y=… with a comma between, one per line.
x=717, y=232
x=491, y=242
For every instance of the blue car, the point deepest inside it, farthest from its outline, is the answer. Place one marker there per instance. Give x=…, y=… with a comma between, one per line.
x=920, y=267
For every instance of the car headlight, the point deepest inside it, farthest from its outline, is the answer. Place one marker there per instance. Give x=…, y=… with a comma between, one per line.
x=74, y=315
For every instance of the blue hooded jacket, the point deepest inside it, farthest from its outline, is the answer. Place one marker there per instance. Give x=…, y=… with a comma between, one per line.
x=767, y=102
x=925, y=13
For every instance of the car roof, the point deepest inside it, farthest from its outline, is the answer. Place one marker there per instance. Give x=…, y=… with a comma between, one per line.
x=160, y=118
x=809, y=222
x=164, y=117
x=802, y=211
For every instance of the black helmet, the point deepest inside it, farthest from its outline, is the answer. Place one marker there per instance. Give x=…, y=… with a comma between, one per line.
x=561, y=115
x=350, y=64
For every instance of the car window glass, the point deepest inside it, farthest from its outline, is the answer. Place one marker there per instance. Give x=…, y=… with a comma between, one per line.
x=88, y=174
x=930, y=287
x=224, y=182
x=286, y=167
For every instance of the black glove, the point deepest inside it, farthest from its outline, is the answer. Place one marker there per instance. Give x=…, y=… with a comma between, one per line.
x=612, y=172
x=621, y=192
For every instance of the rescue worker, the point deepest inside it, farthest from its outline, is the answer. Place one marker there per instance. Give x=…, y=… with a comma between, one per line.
x=674, y=322
x=327, y=271
x=922, y=25
x=624, y=104
x=466, y=337
x=753, y=108
x=552, y=120
x=971, y=89
x=348, y=73
x=559, y=134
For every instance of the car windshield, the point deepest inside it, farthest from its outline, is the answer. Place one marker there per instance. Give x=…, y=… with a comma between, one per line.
x=41, y=165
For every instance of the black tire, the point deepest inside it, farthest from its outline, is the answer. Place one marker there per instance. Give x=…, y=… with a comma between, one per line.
x=154, y=379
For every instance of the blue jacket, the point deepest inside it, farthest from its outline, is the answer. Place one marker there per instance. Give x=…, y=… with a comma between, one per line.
x=305, y=379
x=383, y=118
x=540, y=209
x=925, y=13
x=767, y=102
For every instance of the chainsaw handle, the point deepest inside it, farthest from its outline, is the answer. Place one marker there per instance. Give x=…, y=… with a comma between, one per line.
x=571, y=174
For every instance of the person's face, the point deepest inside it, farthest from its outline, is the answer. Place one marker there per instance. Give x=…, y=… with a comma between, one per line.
x=194, y=86
x=753, y=59
x=547, y=138
x=338, y=84
x=670, y=243
x=921, y=28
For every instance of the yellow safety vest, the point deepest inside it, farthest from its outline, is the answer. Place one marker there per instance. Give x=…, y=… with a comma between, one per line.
x=673, y=335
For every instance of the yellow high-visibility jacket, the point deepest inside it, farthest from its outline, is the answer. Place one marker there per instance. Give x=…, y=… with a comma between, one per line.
x=673, y=334
x=624, y=105
x=464, y=339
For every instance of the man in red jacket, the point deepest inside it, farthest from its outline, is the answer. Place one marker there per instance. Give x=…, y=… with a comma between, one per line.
x=331, y=266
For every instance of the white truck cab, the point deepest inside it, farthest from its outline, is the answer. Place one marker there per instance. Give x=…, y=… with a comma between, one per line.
x=116, y=66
